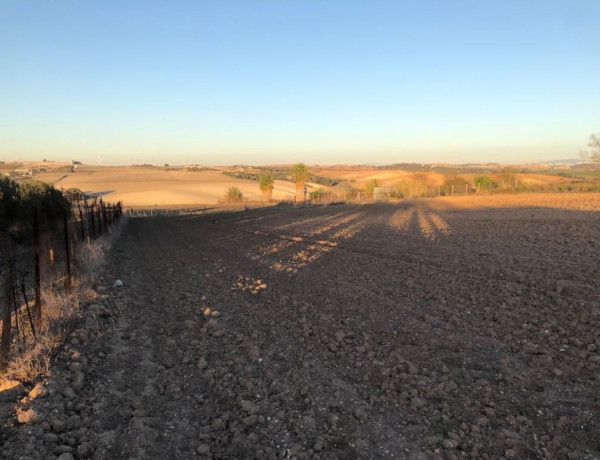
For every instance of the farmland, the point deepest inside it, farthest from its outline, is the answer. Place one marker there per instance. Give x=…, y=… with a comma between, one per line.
x=146, y=186
x=459, y=327
x=139, y=186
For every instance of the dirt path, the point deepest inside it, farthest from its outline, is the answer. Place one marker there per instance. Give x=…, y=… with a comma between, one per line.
x=410, y=330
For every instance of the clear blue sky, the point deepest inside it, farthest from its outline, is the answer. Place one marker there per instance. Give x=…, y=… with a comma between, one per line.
x=325, y=82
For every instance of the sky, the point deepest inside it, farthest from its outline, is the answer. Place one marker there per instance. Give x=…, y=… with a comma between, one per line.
x=320, y=82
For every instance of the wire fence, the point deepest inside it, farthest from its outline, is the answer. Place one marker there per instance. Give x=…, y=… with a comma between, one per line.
x=41, y=260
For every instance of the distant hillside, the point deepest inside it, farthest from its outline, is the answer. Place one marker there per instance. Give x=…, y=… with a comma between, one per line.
x=569, y=161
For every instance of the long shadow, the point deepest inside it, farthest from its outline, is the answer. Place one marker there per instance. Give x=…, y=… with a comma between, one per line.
x=492, y=323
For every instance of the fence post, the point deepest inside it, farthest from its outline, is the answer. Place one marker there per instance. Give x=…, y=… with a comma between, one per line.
x=37, y=308
x=81, y=221
x=6, y=317
x=100, y=218
x=92, y=216
x=28, y=310
x=15, y=298
x=67, y=253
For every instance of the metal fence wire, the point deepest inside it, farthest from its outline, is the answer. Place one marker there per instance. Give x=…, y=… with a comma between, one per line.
x=43, y=262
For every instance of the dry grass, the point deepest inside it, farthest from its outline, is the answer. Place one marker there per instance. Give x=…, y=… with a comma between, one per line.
x=32, y=357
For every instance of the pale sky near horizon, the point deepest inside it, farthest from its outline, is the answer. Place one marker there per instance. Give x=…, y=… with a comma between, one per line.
x=322, y=82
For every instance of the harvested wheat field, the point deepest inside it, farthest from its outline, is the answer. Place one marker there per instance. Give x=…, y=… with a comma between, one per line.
x=443, y=328
x=142, y=187
x=360, y=177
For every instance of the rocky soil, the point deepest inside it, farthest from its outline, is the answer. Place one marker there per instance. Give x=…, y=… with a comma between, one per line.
x=431, y=329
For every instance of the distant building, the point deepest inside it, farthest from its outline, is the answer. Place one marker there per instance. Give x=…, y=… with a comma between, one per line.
x=22, y=172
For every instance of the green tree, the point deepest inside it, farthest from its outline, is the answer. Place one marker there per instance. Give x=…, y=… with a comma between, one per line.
x=234, y=195
x=19, y=203
x=9, y=202
x=483, y=182
x=300, y=175
x=266, y=183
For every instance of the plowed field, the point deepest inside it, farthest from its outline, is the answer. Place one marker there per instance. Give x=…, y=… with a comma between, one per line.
x=446, y=328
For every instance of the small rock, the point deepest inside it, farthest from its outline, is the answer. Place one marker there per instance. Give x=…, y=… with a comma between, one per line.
x=64, y=449
x=217, y=424
x=37, y=391
x=359, y=414
x=51, y=438
x=489, y=412
x=57, y=425
x=9, y=384
x=68, y=392
x=417, y=403
x=85, y=450
x=118, y=283
x=251, y=420
x=332, y=419
x=26, y=416
x=248, y=407
x=78, y=379
x=450, y=443
x=66, y=456
x=203, y=449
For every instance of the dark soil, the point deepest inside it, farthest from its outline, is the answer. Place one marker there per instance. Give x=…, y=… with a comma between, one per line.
x=409, y=330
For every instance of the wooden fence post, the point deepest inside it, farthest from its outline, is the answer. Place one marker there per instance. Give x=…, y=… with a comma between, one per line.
x=93, y=218
x=67, y=253
x=37, y=308
x=100, y=218
x=6, y=318
x=28, y=310
x=14, y=298
x=81, y=221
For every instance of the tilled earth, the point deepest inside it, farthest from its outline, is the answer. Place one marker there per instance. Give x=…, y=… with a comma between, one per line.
x=428, y=329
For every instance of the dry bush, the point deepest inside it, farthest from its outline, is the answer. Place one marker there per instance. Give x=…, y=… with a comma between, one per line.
x=59, y=313
x=89, y=257
x=34, y=361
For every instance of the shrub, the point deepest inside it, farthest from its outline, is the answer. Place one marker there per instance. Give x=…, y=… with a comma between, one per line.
x=372, y=185
x=483, y=182
x=234, y=195
x=317, y=195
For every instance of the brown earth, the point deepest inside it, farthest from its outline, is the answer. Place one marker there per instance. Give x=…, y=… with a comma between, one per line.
x=441, y=328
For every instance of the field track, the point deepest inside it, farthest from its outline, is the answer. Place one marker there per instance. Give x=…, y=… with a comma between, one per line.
x=429, y=329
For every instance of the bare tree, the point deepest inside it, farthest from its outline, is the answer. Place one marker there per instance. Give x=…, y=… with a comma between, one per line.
x=594, y=143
